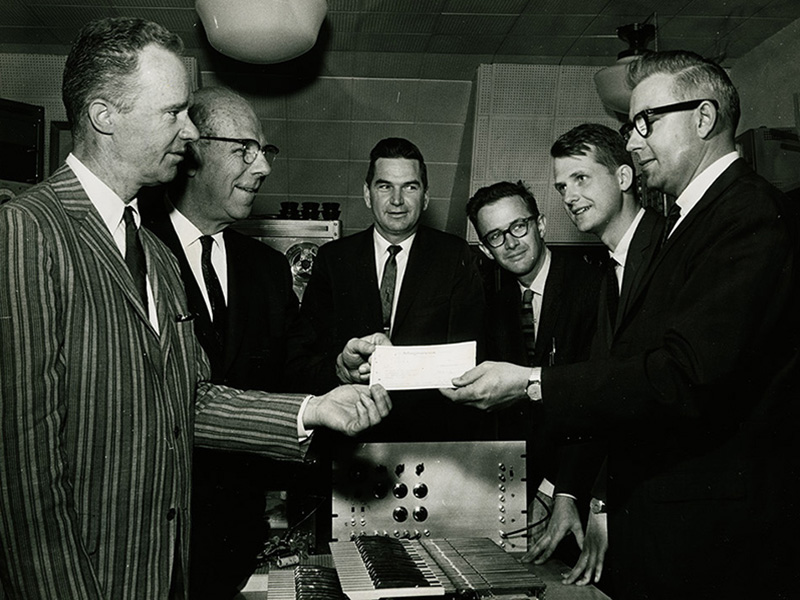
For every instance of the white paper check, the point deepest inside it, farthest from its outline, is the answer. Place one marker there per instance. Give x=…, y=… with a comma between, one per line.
x=421, y=367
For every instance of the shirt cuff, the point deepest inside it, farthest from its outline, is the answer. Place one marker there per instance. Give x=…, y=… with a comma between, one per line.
x=303, y=434
x=546, y=488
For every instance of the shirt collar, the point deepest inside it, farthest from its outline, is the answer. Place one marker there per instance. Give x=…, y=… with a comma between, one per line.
x=537, y=285
x=620, y=253
x=105, y=200
x=382, y=244
x=700, y=184
x=188, y=233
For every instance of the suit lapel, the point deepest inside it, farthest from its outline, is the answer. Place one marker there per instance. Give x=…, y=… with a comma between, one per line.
x=551, y=307
x=729, y=176
x=238, y=280
x=94, y=234
x=643, y=246
x=413, y=278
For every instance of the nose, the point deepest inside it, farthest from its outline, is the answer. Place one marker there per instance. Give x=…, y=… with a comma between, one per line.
x=570, y=195
x=510, y=241
x=634, y=141
x=260, y=167
x=189, y=131
x=397, y=197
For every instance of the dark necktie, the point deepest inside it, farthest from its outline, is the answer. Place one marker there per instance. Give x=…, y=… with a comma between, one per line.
x=528, y=325
x=134, y=255
x=388, y=283
x=213, y=287
x=612, y=290
x=673, y=214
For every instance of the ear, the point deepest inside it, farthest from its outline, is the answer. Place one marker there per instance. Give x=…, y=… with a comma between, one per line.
x=192, y=161
x=541, y=225
x=101, y=116
x=367, y=199
x=425, y=200
x=625, y=177
x=708, y=117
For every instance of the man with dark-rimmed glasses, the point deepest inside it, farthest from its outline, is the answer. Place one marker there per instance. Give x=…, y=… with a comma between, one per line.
x=698, y=396
x=542, y=311
x=240, y=292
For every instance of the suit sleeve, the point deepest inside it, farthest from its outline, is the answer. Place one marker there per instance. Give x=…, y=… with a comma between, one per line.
x=468, y=303
x=730, y=298
x=41, y=551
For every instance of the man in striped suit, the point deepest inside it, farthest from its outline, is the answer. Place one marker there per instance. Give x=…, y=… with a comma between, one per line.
x=103, y=385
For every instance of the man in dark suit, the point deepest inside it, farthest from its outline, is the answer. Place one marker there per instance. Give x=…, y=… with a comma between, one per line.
x=436, y=295
x=594, y=174
x=698, y=397
x=557, y=328
x=245, y=338
x=103, y=386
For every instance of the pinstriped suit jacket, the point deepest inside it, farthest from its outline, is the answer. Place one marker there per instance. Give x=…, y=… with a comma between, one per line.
x=98, y=410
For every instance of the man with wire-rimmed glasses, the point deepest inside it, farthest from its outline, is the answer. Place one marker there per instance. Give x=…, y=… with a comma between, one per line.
x=240, y=292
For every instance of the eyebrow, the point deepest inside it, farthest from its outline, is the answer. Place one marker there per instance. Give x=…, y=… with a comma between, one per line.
x=417, y=181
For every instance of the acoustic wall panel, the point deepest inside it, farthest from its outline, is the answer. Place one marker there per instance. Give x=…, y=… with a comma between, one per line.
x=520, y=111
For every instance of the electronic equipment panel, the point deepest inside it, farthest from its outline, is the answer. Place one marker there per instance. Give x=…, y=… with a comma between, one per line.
x=426, y=490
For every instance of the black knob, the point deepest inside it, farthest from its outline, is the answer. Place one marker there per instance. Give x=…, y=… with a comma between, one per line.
x=400, y=514
x=400, y=490
x=420, y=514
x=419, y=468
x=420, y=490
x=380, y=489
x=398, y=470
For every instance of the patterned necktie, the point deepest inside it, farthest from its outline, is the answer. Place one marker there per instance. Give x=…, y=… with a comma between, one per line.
x=673, y=214
x=612, y=290
x=388, y=283
x=528, y=325
x=134, y=255
x=213, y=287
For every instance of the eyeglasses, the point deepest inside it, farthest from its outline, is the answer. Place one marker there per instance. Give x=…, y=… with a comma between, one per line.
x=251, y=148
x=497, y=237
x=644, y=126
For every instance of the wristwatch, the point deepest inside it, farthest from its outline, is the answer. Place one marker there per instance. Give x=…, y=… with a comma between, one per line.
x=598, y=506
x=534, y=387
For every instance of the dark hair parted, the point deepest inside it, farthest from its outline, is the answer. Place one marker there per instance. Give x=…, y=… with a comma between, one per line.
x=608, y=145
x=498, y=191
x=695, y=78
x=396, y=148
x=102, y=59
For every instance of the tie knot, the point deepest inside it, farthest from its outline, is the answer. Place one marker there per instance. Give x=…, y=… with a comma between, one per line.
x=393, y=250
x=674, y=211
x=527, y=296
x=128, y=217
x=207, y=241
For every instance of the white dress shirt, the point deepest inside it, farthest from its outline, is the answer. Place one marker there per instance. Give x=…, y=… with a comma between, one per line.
x=111, y=208
x=382, y=253
x=189, y=236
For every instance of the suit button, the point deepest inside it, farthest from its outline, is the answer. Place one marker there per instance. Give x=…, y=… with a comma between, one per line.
x=171, y=514
x=177, y=430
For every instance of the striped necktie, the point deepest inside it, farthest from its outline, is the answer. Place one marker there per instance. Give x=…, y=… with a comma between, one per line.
x=528, y=325
x=388, y=283
x=213, y=287
x=134, y=255
x=673, y=214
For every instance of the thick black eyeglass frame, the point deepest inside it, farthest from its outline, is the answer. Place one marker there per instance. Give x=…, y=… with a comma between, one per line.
x=504, y=232
x=251, y=148
x=641, y=120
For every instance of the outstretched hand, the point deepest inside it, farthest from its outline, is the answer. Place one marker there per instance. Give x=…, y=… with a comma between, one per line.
x=563, y=521
x=490, y=386
x=352, y=364
x=348, y=409
x=590, y=563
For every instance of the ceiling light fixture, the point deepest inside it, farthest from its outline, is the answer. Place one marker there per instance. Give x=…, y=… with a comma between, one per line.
x=262, y=31
x=611, y=84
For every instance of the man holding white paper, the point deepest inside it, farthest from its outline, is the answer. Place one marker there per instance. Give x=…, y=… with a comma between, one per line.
x=397, y=282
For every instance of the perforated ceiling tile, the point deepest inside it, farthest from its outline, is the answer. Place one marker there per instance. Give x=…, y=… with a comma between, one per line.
x=519, y=148
x=17, y=81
